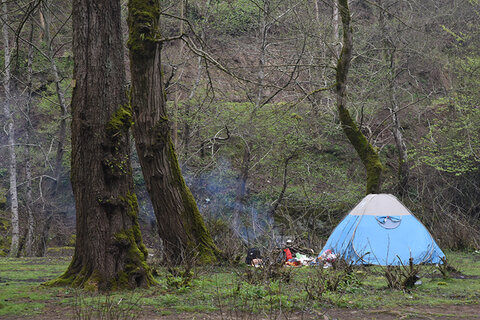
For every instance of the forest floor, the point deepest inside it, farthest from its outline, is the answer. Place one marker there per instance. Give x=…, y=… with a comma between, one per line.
x=243, y=292
x=447, y=312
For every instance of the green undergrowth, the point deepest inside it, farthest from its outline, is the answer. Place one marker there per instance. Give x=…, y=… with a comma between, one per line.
x=241, y=289
x=60, y=251
x=20, y=279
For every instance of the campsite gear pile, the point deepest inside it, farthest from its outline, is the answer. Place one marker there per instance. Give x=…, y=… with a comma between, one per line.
x=300, y=260
x=327, y=258
x=295, y=256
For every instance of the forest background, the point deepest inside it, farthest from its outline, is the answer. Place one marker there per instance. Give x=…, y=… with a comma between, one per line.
x=254, y=122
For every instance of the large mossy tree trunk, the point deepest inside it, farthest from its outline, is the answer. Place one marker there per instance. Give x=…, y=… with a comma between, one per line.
x=180, y=224
x=109, y=253
x=368, y=155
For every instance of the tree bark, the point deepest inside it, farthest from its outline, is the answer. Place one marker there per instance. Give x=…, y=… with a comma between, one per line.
x=180, y=224
x=403, y=169
x=62, y=129
x=10, y=131
x=242, y=180
x=188, y=107
x=277, y=202
x=368, y=155
x=28, y=162
x=241, y=189
x=109, y=252
x=178, y=93
x=51, y=185
x=335, y=25
x=392, y=105
x=264, y=26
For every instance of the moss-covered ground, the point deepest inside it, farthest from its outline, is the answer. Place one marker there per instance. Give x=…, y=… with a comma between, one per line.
x=244, y=292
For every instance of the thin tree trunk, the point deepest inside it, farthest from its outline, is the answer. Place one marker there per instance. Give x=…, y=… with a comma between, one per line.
x=187, y=130
x=241, y=189
x=10, y=131
x=175, y=121
x=242, y=180
x=51, y=185
x=277, y=202
x=368, y=155
x=109, y=252
x=42, y=238
x=62, y=129
x=389, y=53
x=262, y=54
x=403, y=171
x=180, y=224
x=188, y=105
x=178, y=94
x=335, y=25
x=28, y=164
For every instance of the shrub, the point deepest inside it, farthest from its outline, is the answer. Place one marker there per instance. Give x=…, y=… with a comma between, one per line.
x=236, y=17
x=341, y=277
x=402, y=277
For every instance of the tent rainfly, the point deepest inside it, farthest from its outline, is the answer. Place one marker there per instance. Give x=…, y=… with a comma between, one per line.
x=380, y=230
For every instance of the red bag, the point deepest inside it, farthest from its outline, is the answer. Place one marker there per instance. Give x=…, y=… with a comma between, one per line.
x=288, y=254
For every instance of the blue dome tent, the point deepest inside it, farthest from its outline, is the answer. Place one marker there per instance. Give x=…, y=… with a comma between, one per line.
x=380, y=230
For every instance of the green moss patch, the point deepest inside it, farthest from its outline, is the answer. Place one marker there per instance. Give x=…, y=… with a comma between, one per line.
x=143, y=26
x=120, y=121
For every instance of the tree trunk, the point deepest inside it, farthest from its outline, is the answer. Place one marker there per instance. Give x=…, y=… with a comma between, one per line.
x=264, y=26
x=188, y=107
x=335, y=25
x=389, y=54
x=403, y=170
x=317, y=10
x=241, y=190
x=10, y=131
x=28, y=163
x=180, y=224
x=109, y=252
x=51, y=185
x=178, y=93
x=242, y=180
x=277, y=202
x=368, y=155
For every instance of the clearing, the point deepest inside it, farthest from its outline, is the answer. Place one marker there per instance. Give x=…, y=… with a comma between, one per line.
x=243, y=292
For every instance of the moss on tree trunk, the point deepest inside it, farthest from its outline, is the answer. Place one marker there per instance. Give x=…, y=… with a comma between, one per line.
x=367, y=153
x=180, y=224
x=109, y=252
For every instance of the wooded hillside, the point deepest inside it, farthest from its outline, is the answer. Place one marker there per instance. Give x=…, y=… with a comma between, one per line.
x=251, y=97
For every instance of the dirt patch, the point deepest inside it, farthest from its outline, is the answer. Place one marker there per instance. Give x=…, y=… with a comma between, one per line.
x=456, y=275
x=31, y=280
x=451, y=312
x=447, y=312
x=45, y=260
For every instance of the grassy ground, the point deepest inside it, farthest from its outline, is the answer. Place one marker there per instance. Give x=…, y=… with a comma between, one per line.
x=245, y=292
